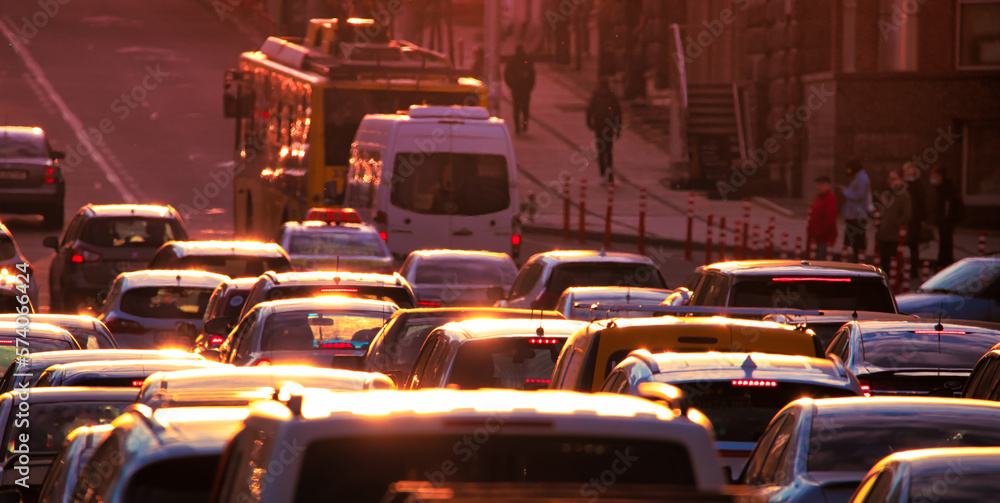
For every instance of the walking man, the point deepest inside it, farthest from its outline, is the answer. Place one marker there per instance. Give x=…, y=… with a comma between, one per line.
x=519, y=74
x=604, y=118
x=857, y=206
x=949, y=211
x=822, y=226
x=918, y=231
x=897, y=213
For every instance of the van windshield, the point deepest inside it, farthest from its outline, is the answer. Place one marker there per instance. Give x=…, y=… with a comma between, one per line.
x=448, y=183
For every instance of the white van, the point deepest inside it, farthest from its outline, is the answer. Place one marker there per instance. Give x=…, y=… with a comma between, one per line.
x=436, y=177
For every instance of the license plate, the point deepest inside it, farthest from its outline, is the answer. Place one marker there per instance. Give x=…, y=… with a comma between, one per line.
x=11, y=174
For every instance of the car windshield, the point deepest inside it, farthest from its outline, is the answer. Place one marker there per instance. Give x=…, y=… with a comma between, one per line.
x=7, y=249
x=447, y=270
x=968, y=277
x=378, y=461
x=235, y=266
x=506, y=362
x=965, y=485
x=22, y=145
x=841, y=293
x=51, y=422
x=9, y=346
x=157, y=482
x=604, y=274
x=134, y=232
x=447, y=183
x=166, y=302
x=329, y=244
x=926, y=349
x=316, y=330
x=854, y=442
x=742, y=413
x=400, y=296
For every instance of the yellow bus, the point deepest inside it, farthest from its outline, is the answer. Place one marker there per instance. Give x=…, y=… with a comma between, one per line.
x=298, y=103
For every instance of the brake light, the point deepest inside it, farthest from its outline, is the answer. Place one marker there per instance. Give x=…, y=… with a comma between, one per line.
x=338, y=290
x=50, y=175
x=945, y=332
x=537, y=381
x=80, y=255
x=6, y=341
x=866, y=388
x=337, y=345
x=262, y=363
x=543, y=340
x=424, y=303
x=828, y=280
x=515, y=240
x=754, y=383
x=383, y=236
x=216, y=339
x=136, y=383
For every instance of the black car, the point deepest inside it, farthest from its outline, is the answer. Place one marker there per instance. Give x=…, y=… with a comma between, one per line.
x=88, y=331
x=911, y=358
x=103, y=241
x=113, y=373
x=18, y=340
x=226, y=303
x=31, y=181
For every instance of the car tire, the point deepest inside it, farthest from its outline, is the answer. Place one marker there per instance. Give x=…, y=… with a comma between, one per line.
x=54, y=219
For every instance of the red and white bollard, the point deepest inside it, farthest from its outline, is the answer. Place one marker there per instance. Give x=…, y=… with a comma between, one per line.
x=925, y=271
x=893, y=278
x=737, y=240
x=566, y=205
x=608, y=214
x=582, y=235
x=812, y=250
x=746, y=226
x=784, y=245
x=845, y=253
x=876, y=260
x=755, y=243
x=688, y=243
x=900, y=246
x=709, y=227
x=982, y=244
x=642, y=225
x=769, y=239
x=907, y=275
x=722, y=238
x=798, y=248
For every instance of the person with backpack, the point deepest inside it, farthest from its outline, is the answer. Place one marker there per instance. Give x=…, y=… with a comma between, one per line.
x=519, y=74
x=604, y=118
x=856, y=209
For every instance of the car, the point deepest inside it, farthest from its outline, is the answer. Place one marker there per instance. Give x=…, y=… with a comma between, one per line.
x=113, y=373
x=820, y=450
x=14, y=265
x=20, y=341
x=170, y=454
x=738, y=392
x=296, y=285
x=12, y=299
x=454, y=278
x=238, y=386
x=35, y=431
x=913, y=358
x=57, y=486
x=226, y=302
x=545, y=276
x=593, y=351
x=586, y=296
x=88, y=331
x=31, y=181
x=236, y=259
x=983, y=381
x=948, y=474
x=489, y=353
x=144, y=308
x=792, y=284
x=395, y=347
x=968, y=289
x=828, y=322
x=451, y=436
x=335, y=246
x=103, y=241
x=312, y=331
x=24, y=373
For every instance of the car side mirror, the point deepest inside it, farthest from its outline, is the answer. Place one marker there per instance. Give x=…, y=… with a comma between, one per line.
x=667, y=394
x=58, y=154
x=679, y=298
x=101, y=297
x=212, y=355
x=495, y=293
x=51, y=242
x=348, y=362
x=217, y=326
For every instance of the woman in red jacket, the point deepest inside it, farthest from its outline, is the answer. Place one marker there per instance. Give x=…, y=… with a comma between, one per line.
x=822, y=227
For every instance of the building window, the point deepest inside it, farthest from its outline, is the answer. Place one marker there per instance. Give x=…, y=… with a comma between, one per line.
x=982, y=148
x=978, y=34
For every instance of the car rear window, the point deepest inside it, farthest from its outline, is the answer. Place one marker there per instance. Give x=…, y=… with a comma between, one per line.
x=329, y=244
x=604, y=274
x=846, y=294
x=506, y=362
x=133, y=232
x=9, y=346
x=22, y=145
x=448, y=183
x=235, y=266
x=854, y=442
x=50, y=423
x=375, y=462
x=398, y=295
x=926, y=349
x=968, y=484
x=741, y=413
x=158, y=482
x=235, y=300
x=166, y=302
x=316, y=330
x=91, y=339
x=460, y=271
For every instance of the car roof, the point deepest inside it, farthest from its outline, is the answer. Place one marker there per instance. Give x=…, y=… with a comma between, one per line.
x=861, y=407
x=437, y=253
x=79, y=393
x=433, y=312
x=328, y=301
x=616, y=292
x=335, y=277
x=49, y=358
x=682, y=322
x=323, y=226
x=33, y=330
x=488, y=328
x=59, y=320
x=876, y=326
x=189, y=431
x=165, y=277
x=716, y=365
x=239, y=378
x=793, y=268
x=233, y=248
x=584, y=256
x=935, y=461
x=130, y=210
x=130, y=367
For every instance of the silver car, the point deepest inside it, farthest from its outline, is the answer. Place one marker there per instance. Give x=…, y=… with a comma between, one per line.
x=457, y=278
x=587, y=296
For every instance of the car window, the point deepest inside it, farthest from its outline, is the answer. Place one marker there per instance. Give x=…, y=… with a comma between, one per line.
x=22, y=145
x=102, y=472
x=73, y=230
x=917, y=349
x=836, y=347
x=978, y=383
x=779, y=452
x=157, y=482
x=401, y=344
x=9, y=347
x=505, y=362
x=831, y=293
x=526, y=280
x=711, y=291
x=320, y=330
x=603, y=274
x=967, y=277
x=132, y=232
x=419, y=369
x=751, y=471
x=329, y=244
x=880, y=488
x=239, y=346
x=166, y=302
x=52, y=422
x=7, y=249
x=617, y=382
x=459, y=271
x=235, y=266
x=449, y=183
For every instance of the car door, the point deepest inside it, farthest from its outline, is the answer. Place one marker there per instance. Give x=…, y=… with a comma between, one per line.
x=773, y=474
x=423, y=361
x=58, y=267
x=240, y=337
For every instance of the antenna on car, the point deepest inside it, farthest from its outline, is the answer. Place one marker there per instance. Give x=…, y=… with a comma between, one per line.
x=939, y=327
x=338, y=262
x=628, y=294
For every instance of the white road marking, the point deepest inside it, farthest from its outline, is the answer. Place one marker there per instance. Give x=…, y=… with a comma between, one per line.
x=71, y=119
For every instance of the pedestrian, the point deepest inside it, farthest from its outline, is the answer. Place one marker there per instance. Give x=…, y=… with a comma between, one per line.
x=949, y=211
x=919, y=230
x=519, y=74
x=897, y=213
x=822, y=226
x=857, y=209
x=604, y=118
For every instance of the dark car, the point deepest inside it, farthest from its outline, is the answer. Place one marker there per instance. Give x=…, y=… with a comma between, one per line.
x=474, y=354
x=397, y=344
x=984, y=381
x=12, y=299
x=828, y=322
x=74, y=453
x=21, y=340
x=335, y=246
x=967, y=290
x=113, y=373
x=236, y=259
x=52, y=415
x=820, y=450
x=15, y=266
x=88, y=331
x=31, y=181
x=912, y=358
x=442, y=278
x=24, y=373
x=103, y=241
x=959, y=475
x=226, y=303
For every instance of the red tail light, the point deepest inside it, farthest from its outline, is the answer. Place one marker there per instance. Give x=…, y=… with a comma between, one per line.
x=50, y=175
x=543, y=341
x=262, y=363
x=80, y=255
x=216, y=339
x=337, y=345
x=866, y=389
x=515, y=240
x=383, y=236
x=537, y=381
x=940, y=332
x=755, y=383
x=338, y=290
x=136, y=383
x=6, y=341
x=424, y=303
